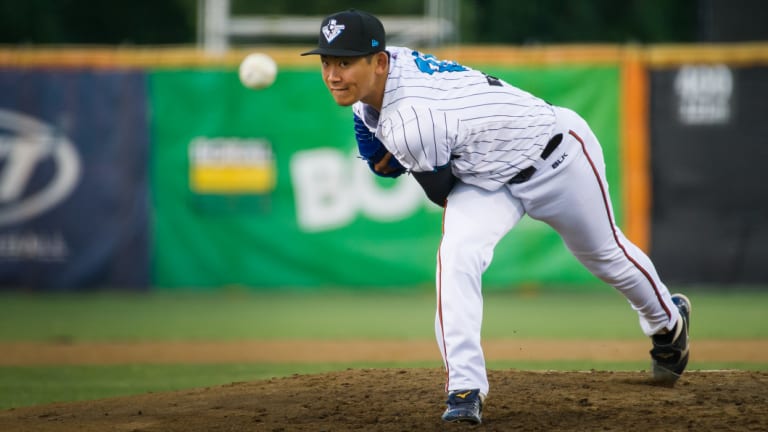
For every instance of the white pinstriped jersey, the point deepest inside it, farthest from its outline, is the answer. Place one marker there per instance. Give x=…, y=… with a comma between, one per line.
x=439, y=112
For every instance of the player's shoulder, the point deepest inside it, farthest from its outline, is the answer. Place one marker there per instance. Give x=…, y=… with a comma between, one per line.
x=423, y=61
x=400, y=58
x=399, y=52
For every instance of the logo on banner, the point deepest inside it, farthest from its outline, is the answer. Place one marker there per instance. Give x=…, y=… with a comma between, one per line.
x=26, y=146
x=332, y=188
x=231, y=166
x=704, y=94
x=31, y=150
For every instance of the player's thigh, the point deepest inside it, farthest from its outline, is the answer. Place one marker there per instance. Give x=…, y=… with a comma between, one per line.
x=578, y=205
x=476, y=216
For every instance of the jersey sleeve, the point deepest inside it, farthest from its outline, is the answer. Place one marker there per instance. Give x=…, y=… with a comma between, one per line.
x=419, y=137
x=367, y=115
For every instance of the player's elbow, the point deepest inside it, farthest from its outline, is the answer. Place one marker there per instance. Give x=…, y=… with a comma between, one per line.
x=436, y=184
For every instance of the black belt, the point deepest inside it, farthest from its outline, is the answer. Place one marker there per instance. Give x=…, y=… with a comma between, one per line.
x=524, y=175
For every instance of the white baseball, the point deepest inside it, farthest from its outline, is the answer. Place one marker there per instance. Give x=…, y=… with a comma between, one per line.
x=258, y=71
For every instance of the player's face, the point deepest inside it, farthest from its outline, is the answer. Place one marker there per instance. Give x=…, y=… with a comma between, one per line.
x=352, y=79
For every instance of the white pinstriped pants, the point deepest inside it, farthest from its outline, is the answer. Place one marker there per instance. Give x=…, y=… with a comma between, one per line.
x=573, y=199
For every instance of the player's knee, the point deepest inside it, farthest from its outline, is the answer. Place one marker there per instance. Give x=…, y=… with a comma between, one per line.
x=610, y=267
x=464, y=258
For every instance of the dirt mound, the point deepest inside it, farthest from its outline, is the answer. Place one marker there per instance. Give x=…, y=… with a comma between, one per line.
x=412, y=400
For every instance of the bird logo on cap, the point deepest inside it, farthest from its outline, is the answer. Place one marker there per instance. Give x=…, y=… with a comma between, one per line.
x=332, y=30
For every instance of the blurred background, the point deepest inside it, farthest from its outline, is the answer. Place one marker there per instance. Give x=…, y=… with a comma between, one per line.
x=132, y=158
x=147, y=22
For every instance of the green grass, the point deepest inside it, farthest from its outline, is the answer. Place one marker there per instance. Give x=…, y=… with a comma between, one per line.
x=25, y=386
x=401, y=315
x=238, y=316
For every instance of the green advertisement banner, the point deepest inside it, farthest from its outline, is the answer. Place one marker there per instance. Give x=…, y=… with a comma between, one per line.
x=264, y=189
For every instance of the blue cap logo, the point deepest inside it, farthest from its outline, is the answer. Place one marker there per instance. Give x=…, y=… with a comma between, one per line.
x=374, y=43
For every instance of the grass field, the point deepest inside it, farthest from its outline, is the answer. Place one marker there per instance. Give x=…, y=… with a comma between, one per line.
x=235, y=316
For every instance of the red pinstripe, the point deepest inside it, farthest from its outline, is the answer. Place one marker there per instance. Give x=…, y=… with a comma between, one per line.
x=440, y=297
x=613, y=228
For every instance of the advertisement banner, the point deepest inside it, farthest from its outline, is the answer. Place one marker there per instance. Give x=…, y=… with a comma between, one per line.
x=73, y=189
x=710, y=206
x=265, y=189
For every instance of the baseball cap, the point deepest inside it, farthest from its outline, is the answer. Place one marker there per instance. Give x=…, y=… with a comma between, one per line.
x=350, y=33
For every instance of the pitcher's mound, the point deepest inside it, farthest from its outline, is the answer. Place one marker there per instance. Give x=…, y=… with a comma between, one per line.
x=412, y=400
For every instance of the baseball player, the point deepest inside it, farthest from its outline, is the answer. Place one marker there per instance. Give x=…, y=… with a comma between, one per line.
x=489, y=153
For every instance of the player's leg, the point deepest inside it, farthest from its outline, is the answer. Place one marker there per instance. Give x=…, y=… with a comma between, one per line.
x=473, y=222
x=574, y=200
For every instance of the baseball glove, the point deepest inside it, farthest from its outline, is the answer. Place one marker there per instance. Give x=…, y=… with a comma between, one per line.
x=373, y=151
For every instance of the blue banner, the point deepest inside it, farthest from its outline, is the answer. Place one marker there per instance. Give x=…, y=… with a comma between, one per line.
x=73, y=179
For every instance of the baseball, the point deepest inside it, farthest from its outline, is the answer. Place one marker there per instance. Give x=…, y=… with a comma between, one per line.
x=258, y=71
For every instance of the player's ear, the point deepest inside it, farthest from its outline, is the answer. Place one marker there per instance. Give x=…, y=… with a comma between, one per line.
x=381, y=60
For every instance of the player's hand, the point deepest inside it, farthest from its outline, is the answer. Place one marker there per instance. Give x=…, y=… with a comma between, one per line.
x=379, y=159
x=382, y=166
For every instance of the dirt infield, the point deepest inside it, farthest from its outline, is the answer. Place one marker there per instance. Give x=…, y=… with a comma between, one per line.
x=404, y=399
x=411, y=400
x=314, y=351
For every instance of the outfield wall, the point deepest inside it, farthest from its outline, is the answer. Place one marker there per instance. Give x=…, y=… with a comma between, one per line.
x=157, y=169
x=709, y=138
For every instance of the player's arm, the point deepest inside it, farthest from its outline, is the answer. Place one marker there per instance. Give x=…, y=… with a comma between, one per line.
x=420, y=139
x=437, y=184
x=372, y=150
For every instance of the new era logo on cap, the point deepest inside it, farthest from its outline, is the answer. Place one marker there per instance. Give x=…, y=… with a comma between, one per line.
x=350, y=33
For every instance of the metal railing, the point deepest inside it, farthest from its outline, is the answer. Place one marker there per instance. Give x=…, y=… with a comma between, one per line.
x=218, y=27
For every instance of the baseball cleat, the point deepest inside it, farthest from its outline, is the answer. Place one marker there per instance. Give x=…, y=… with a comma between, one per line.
x=669, y=355
x=464, y=406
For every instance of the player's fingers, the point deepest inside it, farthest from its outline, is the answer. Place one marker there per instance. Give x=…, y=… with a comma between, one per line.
x=382, y=165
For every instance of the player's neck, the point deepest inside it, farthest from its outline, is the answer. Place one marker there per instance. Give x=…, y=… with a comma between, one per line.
x=376, y=97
